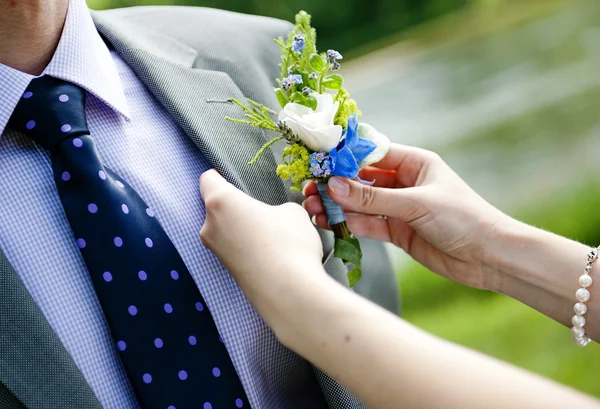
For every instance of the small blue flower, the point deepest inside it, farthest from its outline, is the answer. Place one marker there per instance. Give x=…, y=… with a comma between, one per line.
x=327, y=164
x=351, y=151
x=290, y=80
x=298, y=44
x=317, y=157
x=315, y=169
x=333, y=56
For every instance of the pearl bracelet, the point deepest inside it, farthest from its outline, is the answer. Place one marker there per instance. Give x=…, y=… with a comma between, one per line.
x=583, y=295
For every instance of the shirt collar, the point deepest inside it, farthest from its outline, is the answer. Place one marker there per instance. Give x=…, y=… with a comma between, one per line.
x=81, y=58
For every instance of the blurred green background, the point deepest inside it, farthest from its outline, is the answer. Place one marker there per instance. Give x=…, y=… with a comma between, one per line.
x=508, y=92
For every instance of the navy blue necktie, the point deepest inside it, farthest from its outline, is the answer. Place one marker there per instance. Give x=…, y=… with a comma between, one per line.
x=165, y=335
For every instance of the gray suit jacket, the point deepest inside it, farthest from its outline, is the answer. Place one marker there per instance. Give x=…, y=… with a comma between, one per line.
x=193, y=60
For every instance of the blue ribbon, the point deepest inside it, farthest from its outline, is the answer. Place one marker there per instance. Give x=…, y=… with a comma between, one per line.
x=335, y=212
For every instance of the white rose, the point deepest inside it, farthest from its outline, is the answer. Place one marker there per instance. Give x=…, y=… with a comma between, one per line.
x=314, y=128
x=366, y=131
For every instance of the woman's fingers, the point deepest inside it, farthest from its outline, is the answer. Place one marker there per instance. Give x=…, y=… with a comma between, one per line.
x=400, y=154
x=373, y=227
x=314, y=205
x=404, y=204
x=401, y=167
x=310, y=189
x=409, y=163
x=380, y=177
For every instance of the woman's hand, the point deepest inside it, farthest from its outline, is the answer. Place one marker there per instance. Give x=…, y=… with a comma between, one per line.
x=267, y=249
x=275, y=254
x=431, y=213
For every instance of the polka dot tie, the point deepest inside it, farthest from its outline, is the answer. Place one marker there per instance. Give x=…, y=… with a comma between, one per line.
x=163, y=331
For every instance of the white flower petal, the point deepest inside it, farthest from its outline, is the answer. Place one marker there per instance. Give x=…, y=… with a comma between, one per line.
x=294, y=110
x=383, y=143
x=314, y=128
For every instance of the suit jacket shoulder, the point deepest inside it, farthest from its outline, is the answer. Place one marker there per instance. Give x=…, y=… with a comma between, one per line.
x=240, y=45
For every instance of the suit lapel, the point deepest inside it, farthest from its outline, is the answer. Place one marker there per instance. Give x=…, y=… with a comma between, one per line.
x=197, y=98
x=34, y=365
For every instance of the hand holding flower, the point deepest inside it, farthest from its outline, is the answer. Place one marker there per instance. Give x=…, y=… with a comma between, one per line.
x=319, y=122
x=431, y=213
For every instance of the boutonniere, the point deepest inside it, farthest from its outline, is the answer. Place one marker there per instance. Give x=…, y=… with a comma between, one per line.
x=320, y=124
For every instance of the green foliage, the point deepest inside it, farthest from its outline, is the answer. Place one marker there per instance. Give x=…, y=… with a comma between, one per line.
x=282, y=98
x=303, y=25
x=333, y=81
x=257, y=115
x=347, y=109
x=296, y=165
x=264, y=148
x=315, y=69
x=318, y=63
x=348, y=249
x=307, y=63
x=309, y=101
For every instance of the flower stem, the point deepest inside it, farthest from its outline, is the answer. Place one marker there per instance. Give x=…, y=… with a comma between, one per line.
x=322, y=77
x=341, y=230
x=264, y=149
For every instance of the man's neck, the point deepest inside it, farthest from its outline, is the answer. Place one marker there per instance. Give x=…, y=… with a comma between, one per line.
x=30, y=31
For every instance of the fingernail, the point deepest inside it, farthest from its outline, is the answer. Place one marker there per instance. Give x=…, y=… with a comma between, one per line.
x=339, y=186
x=313, y=219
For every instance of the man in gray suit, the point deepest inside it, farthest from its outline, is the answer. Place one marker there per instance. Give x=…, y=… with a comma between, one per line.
x=158, y=81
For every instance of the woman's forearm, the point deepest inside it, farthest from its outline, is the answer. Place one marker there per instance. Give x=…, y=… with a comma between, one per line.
x=542, y=270
x=389, y=363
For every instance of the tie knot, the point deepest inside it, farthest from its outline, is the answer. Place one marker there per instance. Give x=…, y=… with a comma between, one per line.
x=50, y=111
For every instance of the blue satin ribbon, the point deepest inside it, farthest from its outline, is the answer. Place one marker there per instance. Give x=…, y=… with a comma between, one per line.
x=335, y=212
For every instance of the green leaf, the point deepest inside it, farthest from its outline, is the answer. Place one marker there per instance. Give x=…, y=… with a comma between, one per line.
x=318, y=63
x=312, y=102
x=281, y=97
x=307, y=101
x=354, y=276
x=304, y=74
x=334, y=81
x=298, y=98
x=348, y=249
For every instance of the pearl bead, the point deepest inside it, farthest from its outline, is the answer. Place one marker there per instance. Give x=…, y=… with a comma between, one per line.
x=582, y=295
x=585, y=280
x=577, y=332
x=578, y=321
x=580, y=308
x=581, y=341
